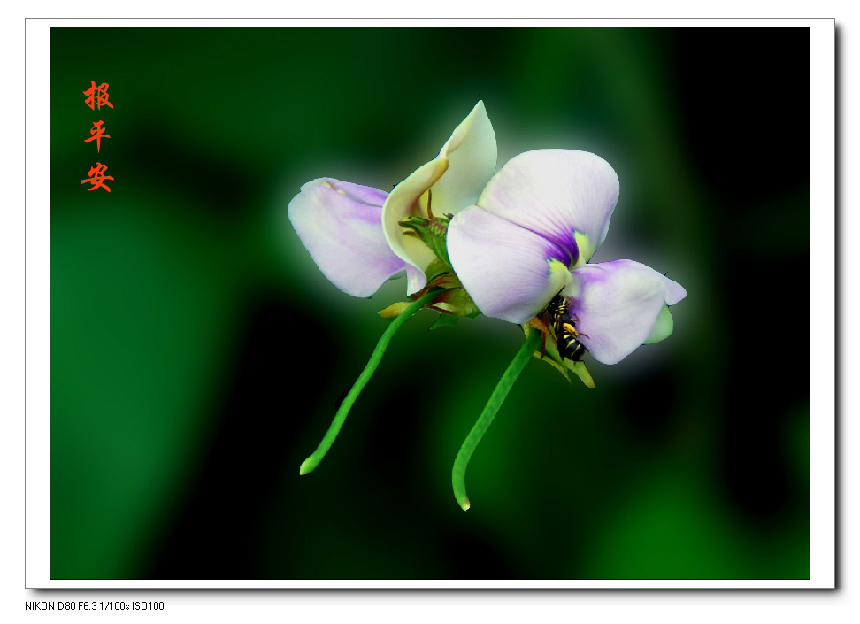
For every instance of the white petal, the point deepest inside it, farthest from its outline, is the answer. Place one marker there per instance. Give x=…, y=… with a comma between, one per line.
x=510, y=272
x=471, y=154
x=564, y=195
x=618, y=307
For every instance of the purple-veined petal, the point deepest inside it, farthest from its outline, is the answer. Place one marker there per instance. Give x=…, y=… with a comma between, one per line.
x=340, y=224
x=510, y=272
x=471, y=153
x=565, y=196
x=409, y=199
x=617, y=304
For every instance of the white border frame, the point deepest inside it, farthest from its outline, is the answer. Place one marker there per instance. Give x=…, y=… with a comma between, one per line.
x=822, y=308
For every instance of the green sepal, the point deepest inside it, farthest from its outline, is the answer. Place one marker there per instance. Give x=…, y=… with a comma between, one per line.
x=579, y=369
x=433, y=232
x=437, y=268
x=551, y=356
x=662, y=327
x=461, y=303
x=444, y=320
x=395, y=309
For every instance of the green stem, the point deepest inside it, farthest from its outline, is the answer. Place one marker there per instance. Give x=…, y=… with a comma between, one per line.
x=311, y=462
x=519, y=362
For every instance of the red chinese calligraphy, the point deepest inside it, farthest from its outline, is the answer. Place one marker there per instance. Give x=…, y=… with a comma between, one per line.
x=97, y=96
x=97, y=177
x=98, y=133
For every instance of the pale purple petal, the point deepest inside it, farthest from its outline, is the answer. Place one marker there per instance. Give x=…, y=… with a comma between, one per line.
x=340, y=224
x=415, y=279
x=617, y=305
x=510, y=272
x=556, y=193
x=363, y=194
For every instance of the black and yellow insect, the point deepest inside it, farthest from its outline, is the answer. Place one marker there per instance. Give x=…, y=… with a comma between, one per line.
x=564, y=327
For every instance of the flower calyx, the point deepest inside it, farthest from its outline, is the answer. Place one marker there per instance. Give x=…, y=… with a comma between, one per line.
x=452, y=300
x=433, y=232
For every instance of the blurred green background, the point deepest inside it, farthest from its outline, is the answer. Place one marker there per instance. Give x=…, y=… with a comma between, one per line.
x=198, y=354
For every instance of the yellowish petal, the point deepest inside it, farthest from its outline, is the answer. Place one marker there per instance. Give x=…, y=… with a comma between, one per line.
x=404, y=202
x=471, y=152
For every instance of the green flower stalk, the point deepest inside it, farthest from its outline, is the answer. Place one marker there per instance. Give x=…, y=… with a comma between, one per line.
x=458, y=474
x=316, y=457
